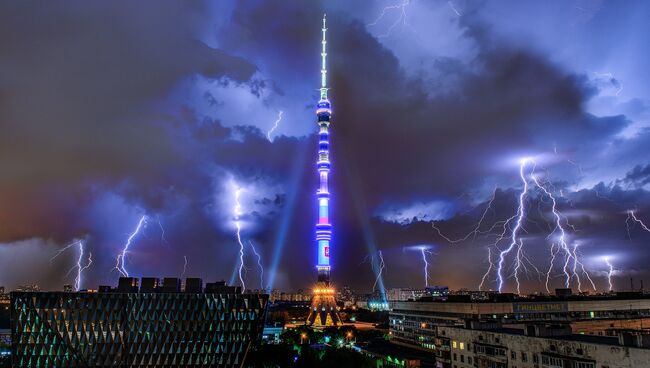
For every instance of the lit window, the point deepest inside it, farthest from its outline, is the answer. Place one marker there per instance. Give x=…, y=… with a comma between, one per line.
x=462, y=346
x=454, y=344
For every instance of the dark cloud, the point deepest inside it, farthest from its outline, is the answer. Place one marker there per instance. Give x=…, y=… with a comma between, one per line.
x=638, y=177
x=81, y=87
x=107, y=115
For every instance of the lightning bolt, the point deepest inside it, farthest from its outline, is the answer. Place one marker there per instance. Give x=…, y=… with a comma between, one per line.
x=631, y=214
x=511, y=229
x=402, y=17
x=576, y=263
x=381, y=266
x=554, y=251
x=477, y=231
x=515, y=242
x=275, y=126
x=78, y=266
x=451, y=5
x=162, y=231
x=120, y=260
x=424, y=252
x=477, y=228
x=237, y=213
x=259, y=264
x=485, y=275
x=613, y=81
x=609, y=273
x=570, y=253
x=82, y=269
x=184, y=266
x=558, y=226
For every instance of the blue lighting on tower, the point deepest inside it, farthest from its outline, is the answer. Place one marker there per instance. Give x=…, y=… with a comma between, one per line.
x=323, y=308
x=323, y=227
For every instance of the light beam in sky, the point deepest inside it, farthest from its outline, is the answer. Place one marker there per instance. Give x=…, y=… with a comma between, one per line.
x=380, y=273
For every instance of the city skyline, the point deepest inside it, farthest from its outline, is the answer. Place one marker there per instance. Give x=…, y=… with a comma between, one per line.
x=178, y=140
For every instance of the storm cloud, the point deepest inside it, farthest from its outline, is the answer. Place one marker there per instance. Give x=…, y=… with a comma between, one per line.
x=111, y=112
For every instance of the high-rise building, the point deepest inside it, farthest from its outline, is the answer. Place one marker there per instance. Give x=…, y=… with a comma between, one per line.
x=323, y=309
x=129, y=327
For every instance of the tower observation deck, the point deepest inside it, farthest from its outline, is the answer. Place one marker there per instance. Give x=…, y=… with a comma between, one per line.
x=323, y=309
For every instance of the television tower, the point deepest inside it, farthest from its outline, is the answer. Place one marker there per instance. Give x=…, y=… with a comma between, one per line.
x=323, y=305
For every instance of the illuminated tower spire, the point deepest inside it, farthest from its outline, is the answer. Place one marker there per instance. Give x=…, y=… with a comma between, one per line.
x=324, y=311
x=323, y=70
x=323, y=227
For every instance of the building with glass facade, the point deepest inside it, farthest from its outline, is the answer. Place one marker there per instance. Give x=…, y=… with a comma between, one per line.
x=125, y=327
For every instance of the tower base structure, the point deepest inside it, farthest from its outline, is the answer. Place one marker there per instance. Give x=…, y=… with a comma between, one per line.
x=323, y=312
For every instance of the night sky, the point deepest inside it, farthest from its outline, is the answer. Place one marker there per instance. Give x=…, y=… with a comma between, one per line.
x=116, y=110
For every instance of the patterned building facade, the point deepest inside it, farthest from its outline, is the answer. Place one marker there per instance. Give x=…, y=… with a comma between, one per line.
x=151, y=329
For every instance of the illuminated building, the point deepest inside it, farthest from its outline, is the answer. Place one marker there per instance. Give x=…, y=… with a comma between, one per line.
x=28, y=288
x=323, y=309
x=129, y=327
x=550, y=331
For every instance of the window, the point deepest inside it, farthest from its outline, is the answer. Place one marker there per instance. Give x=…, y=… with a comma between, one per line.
x=552, y=362
x=455, y=358
x=462, y=346
x=462, y=359
x=535, y=359
x=454, y=344
x=524, y=357
x=513, y=355
x=585, y=365
x=469, y=360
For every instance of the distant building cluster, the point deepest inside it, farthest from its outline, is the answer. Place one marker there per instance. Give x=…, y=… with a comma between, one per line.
x=298, y=296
